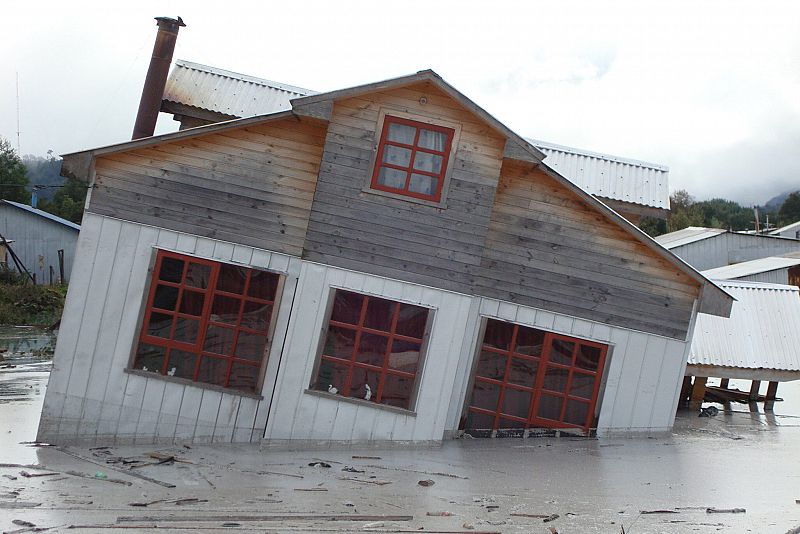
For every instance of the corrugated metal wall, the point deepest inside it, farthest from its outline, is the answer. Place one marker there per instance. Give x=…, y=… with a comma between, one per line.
x=729, y=248
x=37, y=241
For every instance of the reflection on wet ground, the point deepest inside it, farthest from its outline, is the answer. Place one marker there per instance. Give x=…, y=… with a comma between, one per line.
x=740, y=459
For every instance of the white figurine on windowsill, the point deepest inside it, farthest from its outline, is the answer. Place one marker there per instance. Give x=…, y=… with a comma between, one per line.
x=332, y=390
x=369, y=392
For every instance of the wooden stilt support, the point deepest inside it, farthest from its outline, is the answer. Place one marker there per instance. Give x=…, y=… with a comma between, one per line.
x=686, y=389
x=698, y=392
x=723, y=383
x=754, y=387
x=772, y=392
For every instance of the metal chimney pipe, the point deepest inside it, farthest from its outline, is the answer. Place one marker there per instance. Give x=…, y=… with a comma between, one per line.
x=156, y=80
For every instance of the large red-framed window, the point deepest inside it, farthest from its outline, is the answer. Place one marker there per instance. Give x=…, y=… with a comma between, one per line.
x=527, y=378
x=412, y=158
x=207, y=321
x=372, y=350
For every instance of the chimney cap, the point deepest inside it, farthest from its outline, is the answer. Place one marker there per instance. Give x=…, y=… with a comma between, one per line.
x=170, y=20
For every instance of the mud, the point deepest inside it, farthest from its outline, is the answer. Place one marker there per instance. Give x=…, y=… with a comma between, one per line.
x=737, y=460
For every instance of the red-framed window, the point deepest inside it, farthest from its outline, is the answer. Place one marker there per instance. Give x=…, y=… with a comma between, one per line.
x=412, y=158
x=207, y=321
x=526, y=378
x=372, y=349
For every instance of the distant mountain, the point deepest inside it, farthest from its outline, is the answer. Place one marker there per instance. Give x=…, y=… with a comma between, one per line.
x=774, y=204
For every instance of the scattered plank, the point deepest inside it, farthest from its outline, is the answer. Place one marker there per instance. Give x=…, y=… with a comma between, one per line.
x=725, y=511
x=534, y=516
x=117, y=469
x=645, y=512
x=451, y=475
x=376, y=481
x=265, y=517
x=32, y=475
x=310, y=489
x=102, y=479
x=357, y=457
x=177, y=502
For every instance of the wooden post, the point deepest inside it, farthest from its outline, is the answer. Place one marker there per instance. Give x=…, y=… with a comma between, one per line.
x=686, y=388
x=772, y=392
x=723, y=383
x=698, y=392
x=754, y=390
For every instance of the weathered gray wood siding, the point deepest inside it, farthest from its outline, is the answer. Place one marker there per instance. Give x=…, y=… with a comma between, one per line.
x=549, y=249
x=396, y=238
x=252, y=186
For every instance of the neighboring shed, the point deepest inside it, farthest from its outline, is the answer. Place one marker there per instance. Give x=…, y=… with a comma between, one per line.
x=37, y=237
x=790, y=230
x=760, y=341
x=198, y=94
x=708, y=248
x=783, y=269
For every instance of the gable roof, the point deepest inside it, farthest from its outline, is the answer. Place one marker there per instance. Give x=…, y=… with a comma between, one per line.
x=761, y=332
x=608, y=176
x=686, y=236
x=713, y=299
x=788, y=227
x=747, y=268
x=40, y=213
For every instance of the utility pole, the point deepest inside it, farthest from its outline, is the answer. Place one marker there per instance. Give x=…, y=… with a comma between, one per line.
x=19, y=150
x=758, y=226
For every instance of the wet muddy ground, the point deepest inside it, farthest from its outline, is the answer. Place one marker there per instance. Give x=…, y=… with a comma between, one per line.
x=737, y=460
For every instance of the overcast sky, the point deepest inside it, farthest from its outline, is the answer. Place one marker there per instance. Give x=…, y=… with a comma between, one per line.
x=710, y=89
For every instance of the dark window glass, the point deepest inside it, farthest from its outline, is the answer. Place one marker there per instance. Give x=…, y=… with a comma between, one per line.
x=550, y=407
x=523, y=372
x=166, y=298
x=561, y=352
x=516, y=402
x=150, y=358
x=588, y=357
x=340, y=342
x=379, y=314
x=160, y=325
x=492, y=365
x=171, y=269
x=411, y=321
x=498, y=334
x=347, y=307
x=192, y=302
x=232, y=278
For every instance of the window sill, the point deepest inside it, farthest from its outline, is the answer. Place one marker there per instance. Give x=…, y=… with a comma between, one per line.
x=186, y=382
x=361, y=402
x=442, y=204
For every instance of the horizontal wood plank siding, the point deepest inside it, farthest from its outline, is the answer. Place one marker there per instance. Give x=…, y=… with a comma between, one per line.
x=548, y=249
x=376, y=234
x=253, y=186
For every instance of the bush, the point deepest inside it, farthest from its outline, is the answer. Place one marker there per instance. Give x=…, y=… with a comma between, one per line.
x=30, y=305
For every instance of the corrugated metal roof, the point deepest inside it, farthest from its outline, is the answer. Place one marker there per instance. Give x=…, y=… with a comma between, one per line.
x=608, y=176
x=761, y=333
x=787, y=228
x=44, y=214
x=687, y=235
x=747, y=268
x=231, y=93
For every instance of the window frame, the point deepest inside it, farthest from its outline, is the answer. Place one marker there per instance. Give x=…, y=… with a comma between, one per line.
x=425, y=121
x=423, y=354
x=145, y=311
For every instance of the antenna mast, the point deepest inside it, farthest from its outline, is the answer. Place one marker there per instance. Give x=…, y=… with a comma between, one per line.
x=19, y=150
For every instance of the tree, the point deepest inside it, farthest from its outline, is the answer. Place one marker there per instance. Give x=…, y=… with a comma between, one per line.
x=13, y=181
x=68, y=201
x=790, y=209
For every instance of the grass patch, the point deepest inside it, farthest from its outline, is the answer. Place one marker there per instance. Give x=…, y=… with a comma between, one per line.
x=30, y=305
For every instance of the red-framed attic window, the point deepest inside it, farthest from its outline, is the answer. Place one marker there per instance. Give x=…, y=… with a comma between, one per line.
x=412, y=158
x=207, y=321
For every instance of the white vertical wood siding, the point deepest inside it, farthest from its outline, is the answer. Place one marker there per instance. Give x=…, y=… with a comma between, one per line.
x=90, y=398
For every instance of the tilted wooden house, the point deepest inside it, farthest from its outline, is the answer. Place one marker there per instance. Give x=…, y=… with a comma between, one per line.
x=381, y=263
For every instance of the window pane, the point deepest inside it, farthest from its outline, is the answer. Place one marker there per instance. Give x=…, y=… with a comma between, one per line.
x=509, y=423
x=372, y=349
x=523, y=372
x=250, y=346
x=498, y=334
x=186, y=330
x=219, y=340
x=360, y=380
x=582, y=385
x=516, y=402
x=424, y=161
x=485, y=395
x=340, y=342
x=231, y=278
x=379, y=314
x=555, y=379
x=392, y=178
x=561, y=351
x=411, y=321
x=529, y=341
x=479, y=421
x=397, y=391
x=263, y=285
x=159, y=325
x=213, y=370
x=330, y=375
x=198, y=275
x=181, y=364
x=422, y=184
x=588, y=357
x=396, y=155
x=432, y=140
x=491, y=365
x=225, y=309
x=404, y=356
x=244, y=377
x=256, y=316
x=401, y=133
x=576, y=413
x=192, y=302
x=149, y=358
x=171, y=270
x=165, y=298
x=347, y=307
x=550, y=407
